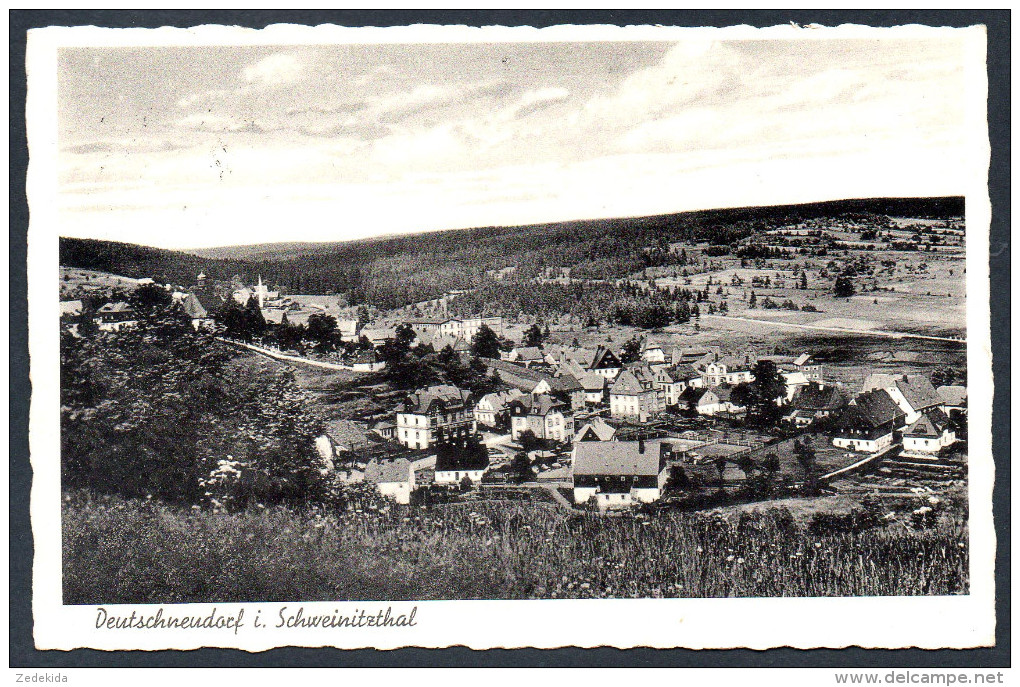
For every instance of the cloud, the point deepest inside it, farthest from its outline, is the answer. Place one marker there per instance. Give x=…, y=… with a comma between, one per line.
x=534, y=101
x=273, y=70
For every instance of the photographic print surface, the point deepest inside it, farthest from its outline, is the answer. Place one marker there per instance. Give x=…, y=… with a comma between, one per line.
x=368, y=331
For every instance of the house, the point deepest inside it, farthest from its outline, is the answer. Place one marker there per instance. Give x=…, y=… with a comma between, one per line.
x=526, y=356
x=385, y=429
x=635, y=396
x=113, y=317
x=653, y=353
x=547, y=417
x=867, y=424
x=457, y=327
x=618, y=474
x=457, y=460
x=954, y=400
x=71, y=314
x=393, y=478
x=593, y=384
x=492, y=409
x=601, y=360
x=349, y=330
x=815, y=401
x=436, y=414
x=811, y=368
x=596, y=429
x=366, y=361
x=913, y=393
x=274, y=317
x=199, y=308
x=794, y=382
x=674, y=381
x=931, y=433
x=604, y=362
x=515, y=375
x=378, y=337
x=565, y=387
x=716, y=400
x=727, y=370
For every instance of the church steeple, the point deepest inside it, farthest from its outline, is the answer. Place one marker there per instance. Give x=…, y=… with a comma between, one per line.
x=262, y=294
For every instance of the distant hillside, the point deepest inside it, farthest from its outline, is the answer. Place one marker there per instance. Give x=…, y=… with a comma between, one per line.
x=137, y=262
x=896, y=207
x=393, y=271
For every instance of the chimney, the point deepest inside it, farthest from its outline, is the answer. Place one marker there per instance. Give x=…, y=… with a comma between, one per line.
x=641, y=445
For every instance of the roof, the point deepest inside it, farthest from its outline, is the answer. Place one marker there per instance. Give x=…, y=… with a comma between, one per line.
x=446, y=395
x=345, y=433
x=193, y=308
x=602, y=430
x=347, y=327
x=795, y=378
x=875, y=408
x=565, y=384
x=536, y=404
x=398, y=470
x=919, y=392
x=530, y=353
x=592, y=381
x=916, y=389
x=733, y=363
x=677, y=373
x=70, y=308
x=498, y=401
x=616, y=458
x=931, y=424
x=816, y=397
x=721, y=392
x=119, y=306
x=378, y=334
x=802, y=359
x=603, y=358
x=953, y=395
x=456, y=457
x=627, y=384
x=430, y=321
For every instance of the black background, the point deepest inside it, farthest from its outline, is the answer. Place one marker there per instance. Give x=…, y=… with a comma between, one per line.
x=22, y=649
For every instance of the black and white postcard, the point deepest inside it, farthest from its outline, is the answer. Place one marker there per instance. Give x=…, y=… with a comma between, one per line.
x=510, y=337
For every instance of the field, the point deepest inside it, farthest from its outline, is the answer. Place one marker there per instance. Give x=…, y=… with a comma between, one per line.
x=75, y=281
x=120, y=551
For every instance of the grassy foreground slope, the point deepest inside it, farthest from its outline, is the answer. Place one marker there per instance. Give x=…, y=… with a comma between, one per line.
x=134, y=551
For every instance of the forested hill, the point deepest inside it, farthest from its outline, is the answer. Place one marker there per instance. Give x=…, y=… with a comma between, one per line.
x=393, y=271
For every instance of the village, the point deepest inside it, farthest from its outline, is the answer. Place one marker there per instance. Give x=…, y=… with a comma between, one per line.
x=607, y=427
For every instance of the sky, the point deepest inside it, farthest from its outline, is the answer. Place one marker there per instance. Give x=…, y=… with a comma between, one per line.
x=188, y=147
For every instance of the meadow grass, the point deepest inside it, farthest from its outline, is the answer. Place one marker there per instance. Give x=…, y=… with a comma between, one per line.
x=131, y=551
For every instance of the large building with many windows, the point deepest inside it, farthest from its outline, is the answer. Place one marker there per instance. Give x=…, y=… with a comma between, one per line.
x=433, y=415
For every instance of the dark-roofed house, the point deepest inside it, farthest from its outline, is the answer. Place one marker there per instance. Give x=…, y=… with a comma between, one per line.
x=912, y=393
x=113, y=317
x=596, y=429
x=455, y=461
x=604, y=362
x=433, y=415
x=635, y=396
x=393, y=478
x=199, y=307
x=618, y=474
x=545, y=415
x=594, y=384
x=565, y=387
x=815, y=401
x=868, y=423
x=931, y=433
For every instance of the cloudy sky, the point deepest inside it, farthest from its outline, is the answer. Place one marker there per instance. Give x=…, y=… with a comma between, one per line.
x=192, y=147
